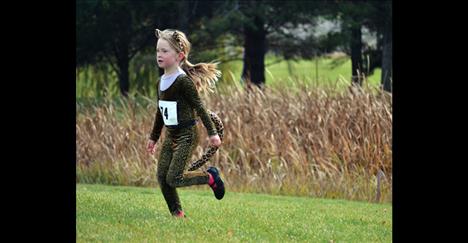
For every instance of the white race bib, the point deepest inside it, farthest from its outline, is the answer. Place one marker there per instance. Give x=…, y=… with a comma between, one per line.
x=169, y=112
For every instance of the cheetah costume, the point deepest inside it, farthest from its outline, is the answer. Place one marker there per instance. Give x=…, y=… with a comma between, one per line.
x=177, y=104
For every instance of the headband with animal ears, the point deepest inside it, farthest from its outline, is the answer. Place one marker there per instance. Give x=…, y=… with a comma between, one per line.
x=175, y=35
x=157, y=32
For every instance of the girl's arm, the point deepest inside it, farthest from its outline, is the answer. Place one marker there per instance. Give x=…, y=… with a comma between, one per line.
x=189, y=91
x=158, y=122
x=157, y=126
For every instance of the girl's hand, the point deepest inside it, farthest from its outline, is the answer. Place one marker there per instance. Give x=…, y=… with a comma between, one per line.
x=150, y=147
x=215, y=140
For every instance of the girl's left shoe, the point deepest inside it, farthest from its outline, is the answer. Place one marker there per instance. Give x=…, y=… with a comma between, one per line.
x=218, y=185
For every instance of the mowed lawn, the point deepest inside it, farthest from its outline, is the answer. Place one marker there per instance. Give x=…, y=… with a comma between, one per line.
x=132, y=214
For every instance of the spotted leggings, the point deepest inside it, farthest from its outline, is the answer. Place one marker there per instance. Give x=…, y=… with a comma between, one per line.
x=174, y=158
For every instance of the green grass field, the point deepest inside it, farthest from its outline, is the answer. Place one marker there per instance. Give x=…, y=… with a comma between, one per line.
x=130, y=214
x=320, y=71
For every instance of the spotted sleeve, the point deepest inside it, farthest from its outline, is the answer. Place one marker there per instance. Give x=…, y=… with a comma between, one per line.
x=158, y=123
x=190, y=93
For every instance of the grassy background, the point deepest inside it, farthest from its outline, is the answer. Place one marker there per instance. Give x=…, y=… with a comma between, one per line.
x=101, y=80
x=309, y=143
x=130, y=214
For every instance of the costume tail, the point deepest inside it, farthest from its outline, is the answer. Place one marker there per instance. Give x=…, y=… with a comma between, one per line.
x=211, y=149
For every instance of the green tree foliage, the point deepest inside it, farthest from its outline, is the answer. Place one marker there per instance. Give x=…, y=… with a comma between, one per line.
x=115, y=31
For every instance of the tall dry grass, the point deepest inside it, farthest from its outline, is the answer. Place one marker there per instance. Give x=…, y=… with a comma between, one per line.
x=300, y=141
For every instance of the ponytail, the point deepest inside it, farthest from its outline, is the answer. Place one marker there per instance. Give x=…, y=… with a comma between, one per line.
x=204, y=75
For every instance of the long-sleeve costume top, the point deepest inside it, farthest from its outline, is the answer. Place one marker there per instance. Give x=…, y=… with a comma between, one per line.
x=178, y=104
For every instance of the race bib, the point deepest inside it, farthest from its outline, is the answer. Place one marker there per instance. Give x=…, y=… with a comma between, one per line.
x=169, y=112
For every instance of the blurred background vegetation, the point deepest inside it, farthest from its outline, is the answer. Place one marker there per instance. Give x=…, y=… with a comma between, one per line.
x=305, y=93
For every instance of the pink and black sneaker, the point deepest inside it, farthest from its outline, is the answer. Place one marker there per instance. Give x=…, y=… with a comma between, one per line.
x=216, y=183
x=178, y=214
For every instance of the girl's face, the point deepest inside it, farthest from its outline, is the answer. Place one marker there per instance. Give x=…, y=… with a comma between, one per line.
x=166, y=56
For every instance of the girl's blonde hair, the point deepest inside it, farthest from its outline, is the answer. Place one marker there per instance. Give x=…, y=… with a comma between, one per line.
x=204, y=75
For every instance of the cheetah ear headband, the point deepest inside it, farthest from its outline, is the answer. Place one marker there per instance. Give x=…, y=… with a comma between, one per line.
x=175, y=35
x=157, y=33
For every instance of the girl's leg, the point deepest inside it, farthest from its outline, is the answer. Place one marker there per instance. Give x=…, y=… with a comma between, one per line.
x=169, y=192
x=185, y=143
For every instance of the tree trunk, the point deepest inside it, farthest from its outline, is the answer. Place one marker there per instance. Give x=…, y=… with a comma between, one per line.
x=183, y=16
x=160, y=71
x=356, y=54
x=123, y=63
x=387, y=72
x=254, y=53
